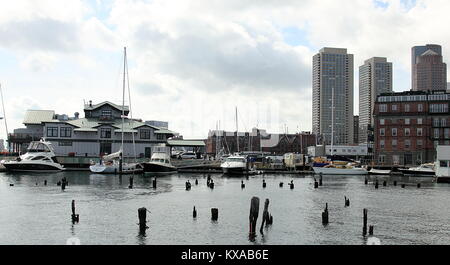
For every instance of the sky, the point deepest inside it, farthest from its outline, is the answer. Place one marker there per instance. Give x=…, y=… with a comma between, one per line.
x=192, y=63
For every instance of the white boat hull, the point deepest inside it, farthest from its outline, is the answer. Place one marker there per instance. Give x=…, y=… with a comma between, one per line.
x=374, y=171
x=114, y=169
x=339, y=171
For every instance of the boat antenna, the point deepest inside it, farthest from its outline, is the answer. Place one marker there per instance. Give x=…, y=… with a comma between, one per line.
x=237, y=132
x=123, y=107
x=4, y=116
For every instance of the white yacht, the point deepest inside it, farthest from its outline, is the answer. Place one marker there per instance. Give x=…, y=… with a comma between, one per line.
x=159, y=163
x=110, y=164
x=422, y=170
x=235, y=164
x=442, y=164
x=40, y=157
x=333, y=169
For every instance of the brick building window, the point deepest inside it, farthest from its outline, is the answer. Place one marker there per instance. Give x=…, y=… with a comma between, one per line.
x=419, y=120
x=419, y=107
x=443, y=122
x=407, y=121
x=436, y=133
x=382, y=132
x=394, y=143
x=419, y=143
x=447, y=133
x=394, y=107
x=407, y=132
x=383, y=108
x=394, y=131
x=419, y=132
x=406, y=107
x=381, y=121
x=407, y=143
x=382, y=144
x=435, y=122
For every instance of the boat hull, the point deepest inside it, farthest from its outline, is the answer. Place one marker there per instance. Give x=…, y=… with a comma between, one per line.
x=339, y=171
x=158, y=168
x=25, y=166
x=417, y=173
x=379, y=171
x=114, y=169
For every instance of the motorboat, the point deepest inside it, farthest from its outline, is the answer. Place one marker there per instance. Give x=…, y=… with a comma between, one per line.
x=40, y=157
x=110, y=164
x=336, y=169
x=159, y=163
x=375, y=171
x=422, y=170
x=235, y=164
x=442, y=164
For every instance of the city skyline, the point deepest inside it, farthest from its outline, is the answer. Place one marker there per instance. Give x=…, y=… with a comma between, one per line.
x=187, y=64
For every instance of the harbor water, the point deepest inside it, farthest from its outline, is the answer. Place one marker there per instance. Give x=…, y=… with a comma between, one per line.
x=34, y=214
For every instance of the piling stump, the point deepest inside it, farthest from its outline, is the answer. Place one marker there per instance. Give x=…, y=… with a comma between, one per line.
x=194, y=213
x=264, y=183
x=142, y=215
x=395, y=183
x=131, y=183
x=384, y=183
x=418, y=185
x=403, y=185
x=154, y=183
x=253, y=217
x=364, y=222
x=366, y=181
x=371, y=230
x=45, y=182
x=242, y=184
x=214, y=214
x=281, y=184
x=265, y=216
x=325, y=215
x=75, y=217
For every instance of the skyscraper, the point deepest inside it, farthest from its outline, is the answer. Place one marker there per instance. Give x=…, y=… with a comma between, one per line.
x=375, y=77
x=428, y=71
x=333, y=75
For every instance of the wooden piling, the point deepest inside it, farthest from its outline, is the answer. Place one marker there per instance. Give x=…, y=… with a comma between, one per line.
x=364, y=222
x=281, y=184
x=395, y=183
x=403, y=185
x=265, y=216
x=316, y=184
x=188, y=185
x=418, y=185
x=214, y=214
x=346, y=201
x=264, y=183
x=131, y=183
x=376, y=184
x=292, y=184
x=75, y=217
x=325, y=215
x=254, y=210
x=196, y=181
x=366, y=181
x=371, y=230
x=194, y=213
x=154, y=183
x=211, y=184
x=242, y=184
x=142, y=215
x=45, y=182
x=320, y=179
x=384, y=183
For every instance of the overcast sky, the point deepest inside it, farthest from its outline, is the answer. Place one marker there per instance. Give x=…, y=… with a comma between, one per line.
x=192, y=62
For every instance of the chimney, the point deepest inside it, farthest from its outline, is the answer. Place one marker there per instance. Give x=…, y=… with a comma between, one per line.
x=77, y=115
x=90, y=103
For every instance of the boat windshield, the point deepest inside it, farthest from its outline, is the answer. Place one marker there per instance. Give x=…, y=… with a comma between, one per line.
x=160, y=160
x=37, y=147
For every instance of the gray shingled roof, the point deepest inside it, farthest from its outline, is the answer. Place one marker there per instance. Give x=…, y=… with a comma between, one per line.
x=38, y=116
x=95, y=106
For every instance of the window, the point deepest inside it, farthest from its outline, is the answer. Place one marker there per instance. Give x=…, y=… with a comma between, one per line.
x=107, y=114
x=52, y=131
x=419, y=120
x=440, y=108
x=105, y=133
x=443, y=163
x=394, y=131
x=436, y=122
x=419, y=131
x=443, y=122
x=381, y=121
x=394, y=107
x=383, y=108
x=407, y=132
x=407, y=143
x=145, y=134
x=406, y=107
x=381, y=158
x=419, y=142
x=447, y=133
x=420, y=108
x=396, y=159
x=394, y=143
x=382, y=132
x=161, y=137
x=436, y=133
x=64, y=143
x=407, y=121
x=65, y=132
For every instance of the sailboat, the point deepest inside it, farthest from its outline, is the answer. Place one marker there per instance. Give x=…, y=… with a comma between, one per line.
x=337, y=168
x=113, y=163
x=235, y=164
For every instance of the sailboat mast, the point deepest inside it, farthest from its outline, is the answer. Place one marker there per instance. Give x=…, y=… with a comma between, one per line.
x=4, y=115
x=123, y=90
x=332, y=119
x=237, y=132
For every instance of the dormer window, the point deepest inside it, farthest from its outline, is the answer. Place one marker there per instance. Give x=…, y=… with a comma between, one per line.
x=107, y=114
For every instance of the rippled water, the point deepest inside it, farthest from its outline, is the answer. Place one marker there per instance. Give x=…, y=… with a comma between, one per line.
x=38, y=214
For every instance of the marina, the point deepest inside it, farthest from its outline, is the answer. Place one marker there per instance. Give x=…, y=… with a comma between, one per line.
x=34, y=213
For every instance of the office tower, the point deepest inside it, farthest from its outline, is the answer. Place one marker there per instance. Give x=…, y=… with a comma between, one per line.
x=429, y=72
x=375, y=77
x=333, y=74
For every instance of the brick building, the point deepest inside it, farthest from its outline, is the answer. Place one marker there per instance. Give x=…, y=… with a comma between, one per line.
x=409, y=125
x=258, y=140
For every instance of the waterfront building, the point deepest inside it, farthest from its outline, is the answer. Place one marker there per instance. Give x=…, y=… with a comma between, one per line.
x=98, y=133
x=258, y=140
x=358, y=152
x=429, y=72
x=375, y=77
x=409, y=125
x=333, y=71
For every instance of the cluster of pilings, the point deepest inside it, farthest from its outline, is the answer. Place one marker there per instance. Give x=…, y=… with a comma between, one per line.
x=385, y=183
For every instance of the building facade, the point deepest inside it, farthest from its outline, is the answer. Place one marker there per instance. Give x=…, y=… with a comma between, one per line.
x=333, y=75
x=409, y=125
x=429, y=72
x=375, y=77
x=98, y=133
x=258, y=140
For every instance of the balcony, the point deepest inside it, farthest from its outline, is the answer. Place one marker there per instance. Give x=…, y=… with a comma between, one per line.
x=24, y=137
